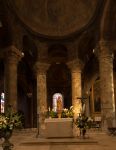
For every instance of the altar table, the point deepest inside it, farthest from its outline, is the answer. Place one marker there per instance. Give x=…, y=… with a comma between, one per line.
x=58, y=127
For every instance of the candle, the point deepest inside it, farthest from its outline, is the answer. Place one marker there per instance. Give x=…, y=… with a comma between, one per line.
x=49, y=108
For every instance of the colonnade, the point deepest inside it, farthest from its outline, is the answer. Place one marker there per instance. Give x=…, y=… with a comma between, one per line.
x=13, y=56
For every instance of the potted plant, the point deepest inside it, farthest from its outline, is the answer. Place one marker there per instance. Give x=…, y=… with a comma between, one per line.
x=67, y=113
x=83, y=123
x=8, y=122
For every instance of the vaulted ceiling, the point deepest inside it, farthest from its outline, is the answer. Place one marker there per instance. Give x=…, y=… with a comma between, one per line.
x=56, y=30
x=60, y=21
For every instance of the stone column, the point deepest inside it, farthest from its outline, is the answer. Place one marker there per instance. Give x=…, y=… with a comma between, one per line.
x=106, y=85
x=12, y=57
x=41, y=69
x=75, y=67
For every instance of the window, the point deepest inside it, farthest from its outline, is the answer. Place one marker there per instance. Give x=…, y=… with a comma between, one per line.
x=2, y=102
x=55, y=97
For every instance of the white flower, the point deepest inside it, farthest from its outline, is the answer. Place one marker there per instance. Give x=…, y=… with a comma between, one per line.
x=71, y=107
x=90, y=119
x=65, y=109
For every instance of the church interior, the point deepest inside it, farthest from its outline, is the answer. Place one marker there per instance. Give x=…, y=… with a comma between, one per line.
x=59, y=47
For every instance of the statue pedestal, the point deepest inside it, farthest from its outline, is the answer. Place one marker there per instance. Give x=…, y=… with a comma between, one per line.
x=58, y=127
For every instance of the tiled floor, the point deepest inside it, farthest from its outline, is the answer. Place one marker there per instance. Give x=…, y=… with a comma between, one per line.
x=27, y=140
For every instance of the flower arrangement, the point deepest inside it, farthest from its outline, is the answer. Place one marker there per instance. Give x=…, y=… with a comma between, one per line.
x=52, y=114
x=8, y=121
x=83, y=122
x=66, y=113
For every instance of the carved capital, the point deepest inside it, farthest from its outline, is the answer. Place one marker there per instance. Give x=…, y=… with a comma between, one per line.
x=109, y=44
x=41, y=67
x=75, y=65
x=12, y=54
x=105, y=49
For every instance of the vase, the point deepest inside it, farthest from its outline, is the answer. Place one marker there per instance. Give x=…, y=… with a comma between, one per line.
x=7, y=145
x=82, y=133
x=59, y=115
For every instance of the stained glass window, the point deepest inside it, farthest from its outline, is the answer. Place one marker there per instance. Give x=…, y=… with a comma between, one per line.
x=55, y=97
x=2, y=102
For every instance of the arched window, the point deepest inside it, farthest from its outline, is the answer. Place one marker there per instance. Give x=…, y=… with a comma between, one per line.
x=55, y=97
x=2, y=102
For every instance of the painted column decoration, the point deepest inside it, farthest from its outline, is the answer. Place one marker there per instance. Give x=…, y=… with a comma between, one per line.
x=106, y=85
x=12, y=57
x=41, y=69
x=75, y=67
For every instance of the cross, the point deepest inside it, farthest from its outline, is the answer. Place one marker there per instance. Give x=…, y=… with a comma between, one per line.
x=82, y=101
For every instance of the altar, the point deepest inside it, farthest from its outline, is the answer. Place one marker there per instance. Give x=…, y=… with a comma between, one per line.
x=58, y=127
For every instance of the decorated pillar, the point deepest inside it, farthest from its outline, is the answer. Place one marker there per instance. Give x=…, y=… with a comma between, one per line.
x=41, y=69
x=106, y=85
x=12, y=57
x=75, y=67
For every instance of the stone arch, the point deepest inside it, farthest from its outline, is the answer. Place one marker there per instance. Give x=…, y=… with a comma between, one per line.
x=59, y=81
x=108, y=23
x=27, y=82
x=30, y=48
x=85, y=51
x=57, y=53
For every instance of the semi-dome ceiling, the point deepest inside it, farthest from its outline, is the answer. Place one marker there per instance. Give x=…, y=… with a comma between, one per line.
x=55, y=17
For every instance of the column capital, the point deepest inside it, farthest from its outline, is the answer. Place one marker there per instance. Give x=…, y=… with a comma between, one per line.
x=105, y=43
x=41, y=67
x=75, y=65
x=12, y=54
x=105, y=49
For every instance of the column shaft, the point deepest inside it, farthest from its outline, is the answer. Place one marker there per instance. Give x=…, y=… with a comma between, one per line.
x=41, y=69
x=75, y=67
x=41, y=93
x=76, y=91
x=107, y=85
x=12, y=56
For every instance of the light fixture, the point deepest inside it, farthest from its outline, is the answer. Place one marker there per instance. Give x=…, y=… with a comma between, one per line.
x=22, y=53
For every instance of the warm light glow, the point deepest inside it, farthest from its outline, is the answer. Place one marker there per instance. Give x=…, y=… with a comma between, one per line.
x=113, y=100
x=22, y=53
x=55, y=97
x=77, y=108
x=2, y=102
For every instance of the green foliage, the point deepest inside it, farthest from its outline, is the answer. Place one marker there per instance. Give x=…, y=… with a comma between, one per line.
x=66, y=113
x=10, y=120
x=83, y=122
x=53, y=114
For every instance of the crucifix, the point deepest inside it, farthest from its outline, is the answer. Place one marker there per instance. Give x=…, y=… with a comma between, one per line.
x=82, y=102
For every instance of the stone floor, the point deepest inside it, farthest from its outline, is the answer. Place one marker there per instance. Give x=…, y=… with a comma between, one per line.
x=96, y=140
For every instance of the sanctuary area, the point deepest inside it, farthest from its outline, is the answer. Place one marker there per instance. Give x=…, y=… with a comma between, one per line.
x=58, y=65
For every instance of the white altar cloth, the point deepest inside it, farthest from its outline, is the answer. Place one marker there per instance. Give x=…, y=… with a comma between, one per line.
x=58, y=127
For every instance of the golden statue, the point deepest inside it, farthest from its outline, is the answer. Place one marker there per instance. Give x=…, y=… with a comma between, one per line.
x=59, y=106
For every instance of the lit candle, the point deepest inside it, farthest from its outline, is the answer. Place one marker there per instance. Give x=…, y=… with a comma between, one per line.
x=49, y=108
